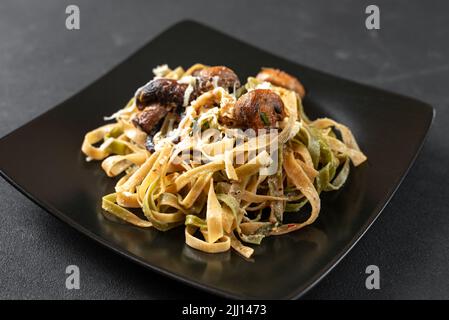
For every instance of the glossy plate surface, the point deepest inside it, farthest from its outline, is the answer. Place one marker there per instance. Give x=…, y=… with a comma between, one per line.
x=389, y=128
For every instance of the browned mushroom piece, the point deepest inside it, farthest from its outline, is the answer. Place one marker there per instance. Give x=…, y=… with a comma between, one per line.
x=150, y=117
x=281, y=79
x=163, y=91
x=219, y=75
x=258, y=109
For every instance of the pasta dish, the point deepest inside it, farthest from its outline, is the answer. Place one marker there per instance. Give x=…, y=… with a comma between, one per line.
x=225, y=160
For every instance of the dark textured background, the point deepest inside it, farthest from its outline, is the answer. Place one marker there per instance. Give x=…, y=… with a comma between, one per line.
x=42, y=63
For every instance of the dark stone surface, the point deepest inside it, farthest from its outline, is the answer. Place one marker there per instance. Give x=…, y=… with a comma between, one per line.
x=42, y=63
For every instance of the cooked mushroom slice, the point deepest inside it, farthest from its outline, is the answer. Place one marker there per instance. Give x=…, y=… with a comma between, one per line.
x=163, y=91
x=258, y=109
x=150, y=117
x=281, y=79
x=217, y=76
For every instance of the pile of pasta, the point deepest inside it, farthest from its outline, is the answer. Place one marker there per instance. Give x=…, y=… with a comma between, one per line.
x=220, y=203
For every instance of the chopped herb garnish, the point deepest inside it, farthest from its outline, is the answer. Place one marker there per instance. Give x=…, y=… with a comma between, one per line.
x=264, y=118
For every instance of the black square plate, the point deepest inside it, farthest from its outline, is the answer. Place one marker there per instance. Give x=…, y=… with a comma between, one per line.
x=43, y=160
